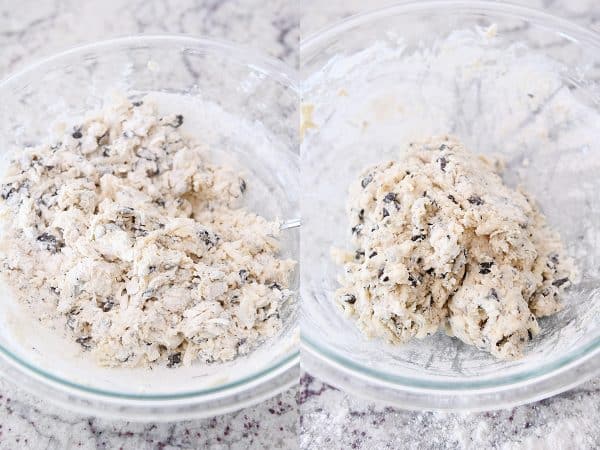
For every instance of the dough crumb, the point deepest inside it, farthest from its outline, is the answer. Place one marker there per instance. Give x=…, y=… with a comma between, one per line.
x=125, y=236
x=440, y=241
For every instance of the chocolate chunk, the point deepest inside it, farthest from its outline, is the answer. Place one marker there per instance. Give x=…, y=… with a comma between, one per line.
x=418, y=237
x=356, y=229
x=503, y=341
x=361, y=215
x=373, y=254
x=485, y=267
x=178, y=121
x=413, y=281
x=53, y=245
x=152, y=172
x=242, y=185
x=77, y=134
x=84, y=341
x=475, y=200
x=366, y=180
x=71, y=320
x=349, y=298
x=108, y=305
x=559, y=282
x=7, y=191
x=243, y=275
x=359, y=254
x=139, y=231
x=390, y=197
x=482, y=323
x=494, y=294
x=174, y=360
x=385, y=213
x=209, y=239
x=452, y=199
x=443, y=163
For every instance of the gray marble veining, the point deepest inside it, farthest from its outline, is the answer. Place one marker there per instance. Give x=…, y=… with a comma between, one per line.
x=32, y=29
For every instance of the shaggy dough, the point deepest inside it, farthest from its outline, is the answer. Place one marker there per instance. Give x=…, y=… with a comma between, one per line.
x=124, y=234
x=441, y=241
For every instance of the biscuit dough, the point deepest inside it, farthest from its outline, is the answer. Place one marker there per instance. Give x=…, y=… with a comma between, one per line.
x=124, y=235
x=440, y=241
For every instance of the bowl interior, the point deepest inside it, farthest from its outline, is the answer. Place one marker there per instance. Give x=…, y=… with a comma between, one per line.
x=245, y=111
x=513, y=87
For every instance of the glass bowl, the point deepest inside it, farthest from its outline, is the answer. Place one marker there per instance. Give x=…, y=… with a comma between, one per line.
x=506, y=80
x=244, y=107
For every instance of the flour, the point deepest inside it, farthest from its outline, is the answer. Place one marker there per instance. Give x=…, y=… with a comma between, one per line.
x=123, y=235
x=440, y=241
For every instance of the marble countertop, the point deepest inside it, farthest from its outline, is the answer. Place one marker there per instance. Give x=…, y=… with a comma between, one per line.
x=30, y=423
x=32, y=29
x=332, y=419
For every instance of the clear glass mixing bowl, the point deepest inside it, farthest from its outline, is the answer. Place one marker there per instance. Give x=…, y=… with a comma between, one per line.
x=244, y=106
x=504, y=79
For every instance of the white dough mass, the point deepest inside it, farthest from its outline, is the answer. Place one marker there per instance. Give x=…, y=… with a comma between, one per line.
x=440, y=242
x=126, y=237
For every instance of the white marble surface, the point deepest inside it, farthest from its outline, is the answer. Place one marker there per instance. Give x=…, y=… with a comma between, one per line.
x=29, y=423
x=332, y=419
x=31, y=29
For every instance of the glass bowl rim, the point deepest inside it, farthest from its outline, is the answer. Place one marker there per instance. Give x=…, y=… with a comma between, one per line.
x=578, y=356
x=269, y=66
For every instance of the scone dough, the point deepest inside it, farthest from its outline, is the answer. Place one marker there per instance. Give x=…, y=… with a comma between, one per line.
x=440, y=241
x=124, y=235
